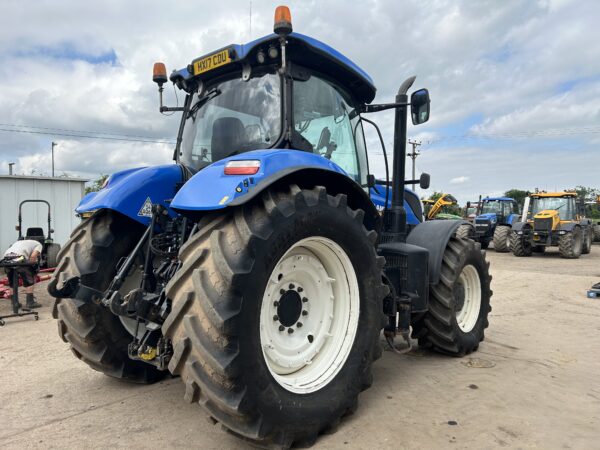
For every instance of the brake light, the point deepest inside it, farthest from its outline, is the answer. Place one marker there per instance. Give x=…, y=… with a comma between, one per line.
x=248, y=167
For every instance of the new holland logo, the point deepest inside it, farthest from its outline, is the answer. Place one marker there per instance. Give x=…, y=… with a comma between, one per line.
x=146, y=209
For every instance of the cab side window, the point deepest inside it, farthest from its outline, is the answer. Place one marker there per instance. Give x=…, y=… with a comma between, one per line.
x=329, y=126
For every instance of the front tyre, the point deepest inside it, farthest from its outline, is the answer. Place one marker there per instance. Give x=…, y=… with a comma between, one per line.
x=520, y=245
x=502, y=239
x=276, y=316
x=459, y=304
x=570, y=244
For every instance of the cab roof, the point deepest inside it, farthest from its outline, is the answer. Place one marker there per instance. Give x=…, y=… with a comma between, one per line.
x=303, y=50
x=497, y=199
x=555, y=194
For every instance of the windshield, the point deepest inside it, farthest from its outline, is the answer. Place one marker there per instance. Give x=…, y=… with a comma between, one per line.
x=231, y=117
x=491, y=207
x=564, y=205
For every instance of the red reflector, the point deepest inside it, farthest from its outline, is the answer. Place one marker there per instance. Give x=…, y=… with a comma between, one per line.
x=242, y=167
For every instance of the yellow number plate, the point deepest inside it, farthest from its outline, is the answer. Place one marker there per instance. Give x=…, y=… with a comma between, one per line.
x=212, y=62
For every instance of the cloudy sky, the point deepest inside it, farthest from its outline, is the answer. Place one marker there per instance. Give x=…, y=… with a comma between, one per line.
x=515, y=85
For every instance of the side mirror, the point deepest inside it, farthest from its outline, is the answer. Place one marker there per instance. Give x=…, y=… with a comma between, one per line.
x=424, y=180
x=17, y=228
x=419, y=106
x=159, y=74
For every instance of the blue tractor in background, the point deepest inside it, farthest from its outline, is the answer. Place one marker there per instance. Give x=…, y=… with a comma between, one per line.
x=262, y=266
x=494, y=220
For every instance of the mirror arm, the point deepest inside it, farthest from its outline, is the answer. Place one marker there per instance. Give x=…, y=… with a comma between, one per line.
x=163, y=108
x=382, y=107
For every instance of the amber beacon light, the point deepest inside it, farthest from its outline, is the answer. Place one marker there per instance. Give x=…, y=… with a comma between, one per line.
x=159, y=73
x=283, y=20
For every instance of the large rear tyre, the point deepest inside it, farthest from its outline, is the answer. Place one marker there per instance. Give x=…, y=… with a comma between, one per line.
x=520, y=245
x=570, y=244
x=459, y=304
x=96, y=336
x=502, y=239
x=464, y=231
x=277, y=314
x=587, y=241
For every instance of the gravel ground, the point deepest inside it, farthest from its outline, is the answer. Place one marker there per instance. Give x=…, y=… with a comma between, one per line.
x=534, y=383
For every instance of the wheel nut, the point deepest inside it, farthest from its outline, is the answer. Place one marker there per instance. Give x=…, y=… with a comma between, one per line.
x=304, y=299
x=292, y=286
x=305, y=313
x=275, y=317
x=276, y=304
x=281, y=328
x=299, y=324
x=282, y=291
x=290, y=330
x=300, y=289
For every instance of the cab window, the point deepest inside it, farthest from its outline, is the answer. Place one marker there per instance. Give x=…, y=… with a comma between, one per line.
x=326, y=124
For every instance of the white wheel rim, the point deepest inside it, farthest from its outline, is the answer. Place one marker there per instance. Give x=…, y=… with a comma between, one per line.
x=467, y=315
x=317, y=273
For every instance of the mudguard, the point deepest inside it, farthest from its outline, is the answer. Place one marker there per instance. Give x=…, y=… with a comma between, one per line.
x=211, y=189
x=412, y=217
x=434, y=235
x=521, y=227
x=569, y=226
x=132, y=192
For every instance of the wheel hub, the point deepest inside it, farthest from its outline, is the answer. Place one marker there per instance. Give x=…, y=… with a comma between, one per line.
x=309, y=314
x=289, y=308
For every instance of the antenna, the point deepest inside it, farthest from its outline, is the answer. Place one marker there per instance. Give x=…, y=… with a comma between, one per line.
x=250, y=20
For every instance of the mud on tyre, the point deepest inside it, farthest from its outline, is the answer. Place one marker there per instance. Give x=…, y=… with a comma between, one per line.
x=239, y=271
x=95, y=335
x=459, y=304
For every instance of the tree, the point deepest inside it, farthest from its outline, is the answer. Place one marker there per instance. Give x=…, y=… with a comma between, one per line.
x=96, y=185
x=589, y=195
x=518, y=194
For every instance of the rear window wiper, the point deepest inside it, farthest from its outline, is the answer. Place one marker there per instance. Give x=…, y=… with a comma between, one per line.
x=202, y=101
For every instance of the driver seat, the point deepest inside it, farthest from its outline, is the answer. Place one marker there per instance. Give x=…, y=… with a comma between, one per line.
x=227, y=136
x=35, y=234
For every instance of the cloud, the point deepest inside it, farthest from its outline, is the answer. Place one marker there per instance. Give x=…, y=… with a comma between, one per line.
x=495, y=71
x=459, y=180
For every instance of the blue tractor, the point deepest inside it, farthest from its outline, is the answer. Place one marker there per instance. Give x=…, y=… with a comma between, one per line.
x=494, y=220
x=262, y=266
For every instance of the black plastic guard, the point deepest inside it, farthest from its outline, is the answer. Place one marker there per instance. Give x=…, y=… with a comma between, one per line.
x=434, y=235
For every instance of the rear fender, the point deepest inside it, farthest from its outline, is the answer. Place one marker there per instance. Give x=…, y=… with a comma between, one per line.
x=211, y=190
x=434, y=236
x=130, y=192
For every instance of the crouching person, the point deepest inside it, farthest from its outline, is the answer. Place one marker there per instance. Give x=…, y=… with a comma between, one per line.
x=21, y=251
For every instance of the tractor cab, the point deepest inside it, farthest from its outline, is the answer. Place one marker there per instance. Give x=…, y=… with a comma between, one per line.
x=273, y=93
x=561, y=205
